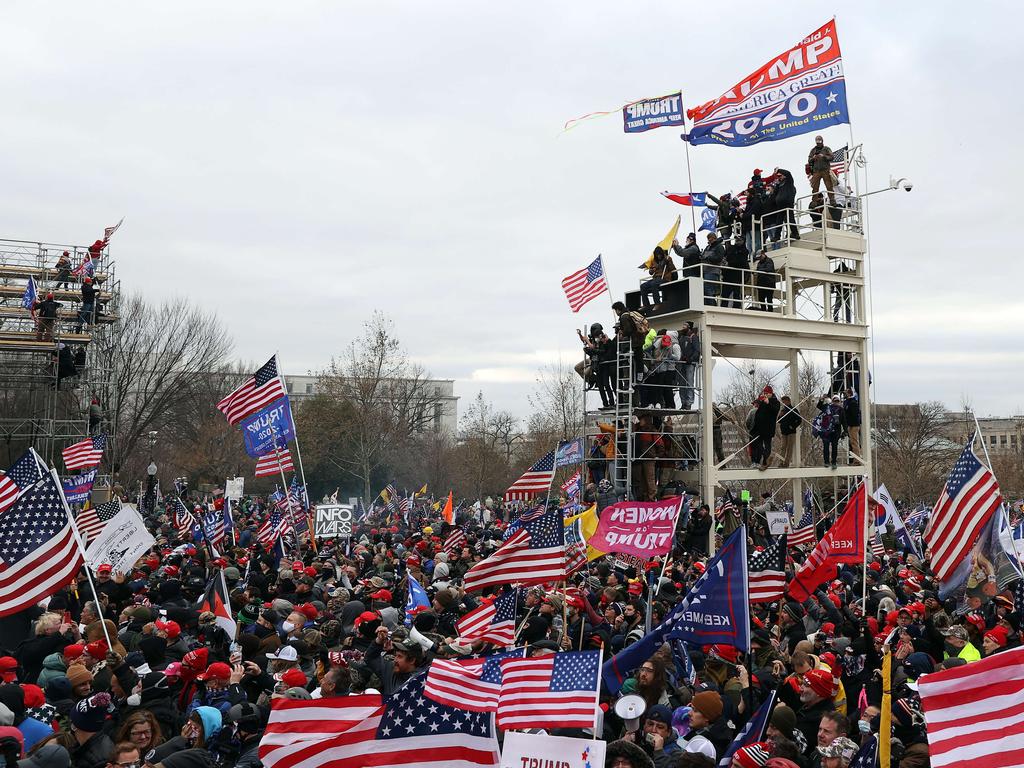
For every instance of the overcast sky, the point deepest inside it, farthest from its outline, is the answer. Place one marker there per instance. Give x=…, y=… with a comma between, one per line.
x=295, y=166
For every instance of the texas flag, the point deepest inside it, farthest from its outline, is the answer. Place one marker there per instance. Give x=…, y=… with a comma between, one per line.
x=687, y=198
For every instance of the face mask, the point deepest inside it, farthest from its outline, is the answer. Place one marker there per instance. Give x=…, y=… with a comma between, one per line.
x=134, y=700
x=287, y=626
x=864, y=726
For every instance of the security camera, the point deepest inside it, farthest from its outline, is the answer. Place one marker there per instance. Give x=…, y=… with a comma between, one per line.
x=905, y=184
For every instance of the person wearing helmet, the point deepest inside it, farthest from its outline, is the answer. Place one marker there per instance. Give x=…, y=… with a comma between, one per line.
x=246, y=723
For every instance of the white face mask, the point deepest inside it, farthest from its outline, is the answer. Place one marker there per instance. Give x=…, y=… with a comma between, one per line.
x=134, y=700
x=287, y=626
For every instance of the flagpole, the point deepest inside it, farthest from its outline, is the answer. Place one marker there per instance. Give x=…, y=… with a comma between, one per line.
x=597, y=693
x=287, y=493
x=988, y=461
x=298, y=448
x=81, y=546
x=664, y=563
x=689, y=178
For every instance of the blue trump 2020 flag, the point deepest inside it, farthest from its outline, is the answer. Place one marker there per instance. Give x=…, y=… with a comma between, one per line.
x=417, y=598
x=28, y=298
x=260, y=429
x=714, y=611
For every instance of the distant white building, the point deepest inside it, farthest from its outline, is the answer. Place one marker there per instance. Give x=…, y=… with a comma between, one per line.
x=446, y=411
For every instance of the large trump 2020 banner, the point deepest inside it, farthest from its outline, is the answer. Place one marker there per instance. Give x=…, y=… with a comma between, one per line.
x=799, y=91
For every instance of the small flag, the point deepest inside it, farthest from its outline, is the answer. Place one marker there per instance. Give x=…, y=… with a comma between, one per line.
x=85, y=454
x=767, y=576
x=267, y=465
x=687, y=198
x=803, y=532
x=448, y=513
x=93, y=520
x=554, y=691
x=28, y=298
x=492, y=623
x=840, y=160
x=584, y=285
x=256, y=393
x=534, y=481
x=455, y=541
x=271, y=529
x=215, y=600
x=22, y=475
x=752, y=732
x=417, y=598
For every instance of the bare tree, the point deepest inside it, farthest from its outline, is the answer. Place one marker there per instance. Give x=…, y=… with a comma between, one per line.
x=160, y=356
x=487, y=439
x=913, y=449
x=370, y=402
x=557, y=404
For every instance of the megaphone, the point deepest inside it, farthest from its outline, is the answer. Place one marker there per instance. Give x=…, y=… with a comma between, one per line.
x=631, y=708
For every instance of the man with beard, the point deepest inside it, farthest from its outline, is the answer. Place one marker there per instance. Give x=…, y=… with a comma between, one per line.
x=816, y=692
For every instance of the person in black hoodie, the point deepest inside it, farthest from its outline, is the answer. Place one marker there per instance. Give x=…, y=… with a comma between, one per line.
x=766, y=416
x=737, y=259
x=85, y=313
x=782, y=205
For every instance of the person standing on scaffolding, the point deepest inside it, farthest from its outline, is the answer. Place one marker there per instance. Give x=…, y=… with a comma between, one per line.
x=634, y=327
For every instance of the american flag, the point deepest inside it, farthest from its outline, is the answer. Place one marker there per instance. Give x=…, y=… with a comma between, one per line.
x=803, y=531
x=494, y=623
x=875, y=542
x=388, y=493
x=271, y=529
x=357, y=731
x=85, y=453
x=558, y=690
x=767, y=572
x=184, y=522
x=580, y=287
x=840, y=159
x=532, y=555
x=726, y=506
x=93, y=520
x=455, y=541
x=22, y=474
x=38, y=552
x=973, y=712
x=258, y=391
x=575, y=546
x=967, y=502
x=752, y=732
x=87, y=267
x=470, y=684
x=267, y=465
x=536, y=480
x=571, y=487
x=405, y=507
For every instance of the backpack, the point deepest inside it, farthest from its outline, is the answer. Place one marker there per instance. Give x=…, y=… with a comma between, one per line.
x=821, y=425
x=640, y=323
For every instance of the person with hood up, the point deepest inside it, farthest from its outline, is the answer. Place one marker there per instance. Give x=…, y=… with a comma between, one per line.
x=201, y=731
x=781, y=205
x=767, y=278
x=664, y=374
x=662, y=271
x=689, y=255
x=56, y=664
x=766, y=415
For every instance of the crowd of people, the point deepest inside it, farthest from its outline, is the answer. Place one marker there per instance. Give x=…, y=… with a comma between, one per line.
x=136, y=673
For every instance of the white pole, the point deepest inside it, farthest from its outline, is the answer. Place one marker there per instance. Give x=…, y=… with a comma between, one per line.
x=81, y=547
x=664, y=563
x=867, y=545
x=287, y=493
x=597, y=693
x=295, y=429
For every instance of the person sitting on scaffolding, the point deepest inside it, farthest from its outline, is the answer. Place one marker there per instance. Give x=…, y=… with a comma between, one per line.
x=663, y=270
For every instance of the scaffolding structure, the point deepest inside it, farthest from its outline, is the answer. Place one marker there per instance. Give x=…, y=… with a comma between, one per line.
x=48, y=378
x=814, y=308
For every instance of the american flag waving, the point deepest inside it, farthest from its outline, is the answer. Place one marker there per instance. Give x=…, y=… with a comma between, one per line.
x=534, y=554
x=274, y=463
x=469, y=684
x=803, y=531
x=271, y=529
x=840, y=160
x=558, y=690
x=258, y=391
x=184, y=522
x=766, y=572
x=22, y=474
x=85, y=453
x=492, y=623
x=535, y=481
x=93, y=520
x=38, y=552
x=967, y=502
x=580, y=287
x=455, y=541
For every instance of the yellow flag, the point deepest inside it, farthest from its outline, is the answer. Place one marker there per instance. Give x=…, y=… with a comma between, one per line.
x=385, y=495
x=588, y=526
x=422, y=491
x=436, y=506
x=885, y=724
x=666, y=242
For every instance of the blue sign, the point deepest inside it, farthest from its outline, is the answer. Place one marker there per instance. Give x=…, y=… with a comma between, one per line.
x=646, y=114
x=260, y=429
x=802, y=90
x=78, y=488
x=570, y=452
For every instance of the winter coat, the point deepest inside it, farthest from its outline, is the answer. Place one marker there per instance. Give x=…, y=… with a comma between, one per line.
x=689, y=348
x=767, y=277
x=789, y=420
x=690, y=256
x=665, y=358
x=53, y=666
x=766, y=416
x=851, y=410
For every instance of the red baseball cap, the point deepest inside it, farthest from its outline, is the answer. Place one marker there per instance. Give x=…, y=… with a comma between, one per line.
x=73, y=651
x=293, y=678
x=97, y=649
x=365, y=616
x=297, y=565
x=216, y=671
x=7, y=666
x=308, y=610
x=311, y=572
x=172, y=628
x=105, y=568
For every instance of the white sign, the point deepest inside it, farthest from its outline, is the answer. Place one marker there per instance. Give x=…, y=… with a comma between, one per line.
x=233, y=488
x=121, y=543
x=778, y=522
x=333, y=521
x=533, y=750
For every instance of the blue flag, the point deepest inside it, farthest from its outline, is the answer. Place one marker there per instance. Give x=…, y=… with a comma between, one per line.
x=752, y=732
x=78, y=487
x=708, y=218
x=417, y=599
x=28, y=298
x=569, y=452
x=260, y=429
x=714, y=611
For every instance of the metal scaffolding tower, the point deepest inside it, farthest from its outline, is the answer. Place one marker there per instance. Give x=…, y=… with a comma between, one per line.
x=816, y=309
x=48, y=378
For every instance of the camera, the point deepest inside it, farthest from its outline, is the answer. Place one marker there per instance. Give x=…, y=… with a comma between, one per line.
x=905, y=184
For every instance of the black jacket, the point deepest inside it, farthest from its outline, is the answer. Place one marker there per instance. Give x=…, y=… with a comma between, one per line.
x=766, y=416
x=789, y=420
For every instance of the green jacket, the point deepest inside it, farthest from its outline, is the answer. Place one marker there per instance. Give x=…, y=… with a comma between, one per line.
x=53, y=666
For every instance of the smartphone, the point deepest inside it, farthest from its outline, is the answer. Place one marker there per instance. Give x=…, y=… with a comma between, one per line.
x=234, y=647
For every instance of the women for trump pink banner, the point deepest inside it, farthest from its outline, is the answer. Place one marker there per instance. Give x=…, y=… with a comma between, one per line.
x=641, y=528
